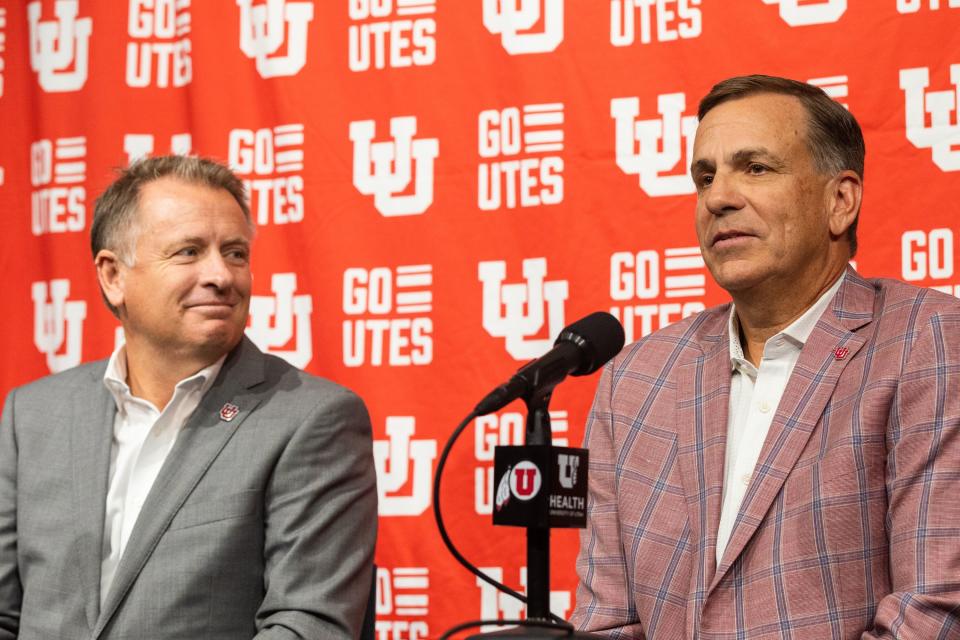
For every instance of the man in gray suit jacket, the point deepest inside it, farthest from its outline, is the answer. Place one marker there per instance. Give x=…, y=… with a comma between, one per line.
x=191, y=486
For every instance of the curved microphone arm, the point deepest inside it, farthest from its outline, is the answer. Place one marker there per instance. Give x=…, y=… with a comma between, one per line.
x=438, y=515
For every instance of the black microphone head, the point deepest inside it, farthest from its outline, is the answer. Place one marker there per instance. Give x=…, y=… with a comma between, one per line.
x=599, y=336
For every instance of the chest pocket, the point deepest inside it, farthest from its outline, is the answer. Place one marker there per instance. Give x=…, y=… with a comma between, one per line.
x=209, y=510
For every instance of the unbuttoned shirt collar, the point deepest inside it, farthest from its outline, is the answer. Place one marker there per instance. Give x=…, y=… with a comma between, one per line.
x=791, y=338
x=115, y=379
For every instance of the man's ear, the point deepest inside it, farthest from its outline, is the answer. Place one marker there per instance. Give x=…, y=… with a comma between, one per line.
x=110, y=273
x=845, y=196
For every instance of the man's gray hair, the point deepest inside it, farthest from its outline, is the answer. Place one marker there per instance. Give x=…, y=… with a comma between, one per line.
x=114, y=214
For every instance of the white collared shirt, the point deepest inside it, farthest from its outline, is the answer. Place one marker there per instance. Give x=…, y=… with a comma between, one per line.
x=142, y=439
x=754, y=397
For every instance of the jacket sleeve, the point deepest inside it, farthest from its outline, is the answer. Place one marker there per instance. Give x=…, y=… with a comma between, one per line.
x=11, y=592
x=320, y=526
x=604, y=598
x=923, y=490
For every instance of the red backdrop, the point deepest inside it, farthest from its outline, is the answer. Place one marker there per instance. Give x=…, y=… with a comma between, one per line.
x=439, y=186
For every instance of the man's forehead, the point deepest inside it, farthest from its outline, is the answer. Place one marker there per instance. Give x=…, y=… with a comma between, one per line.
x=759, y=104
x=172, y=187
x=758, y=112
x=170, y=209
x=758, y=124
x=171, y=196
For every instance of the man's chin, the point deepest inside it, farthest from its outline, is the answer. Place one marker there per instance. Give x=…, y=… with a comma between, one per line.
x=217, y=340
x=738, y=279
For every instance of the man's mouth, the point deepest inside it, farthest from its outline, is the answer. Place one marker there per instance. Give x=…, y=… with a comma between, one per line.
x=210, y=305
x=729, y=237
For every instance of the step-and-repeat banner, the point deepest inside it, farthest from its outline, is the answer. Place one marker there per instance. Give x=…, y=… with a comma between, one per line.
x=439, y=186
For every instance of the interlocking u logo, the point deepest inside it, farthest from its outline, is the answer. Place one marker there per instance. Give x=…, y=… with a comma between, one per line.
x=57, y=323
x=517, y=311
x=265, y=27
x=56, y=45
x=385, y=169
x=638, y=144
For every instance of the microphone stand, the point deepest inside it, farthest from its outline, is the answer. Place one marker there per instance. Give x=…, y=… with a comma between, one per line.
x=538, y=432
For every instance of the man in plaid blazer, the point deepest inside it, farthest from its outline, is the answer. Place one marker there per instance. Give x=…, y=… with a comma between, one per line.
x=787, y=466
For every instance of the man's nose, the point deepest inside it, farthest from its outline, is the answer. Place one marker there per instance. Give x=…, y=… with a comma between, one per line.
x=724, y=195
x=216, y=272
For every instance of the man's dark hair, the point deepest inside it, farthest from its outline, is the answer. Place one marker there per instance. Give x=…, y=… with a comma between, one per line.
x=114, y=214
x=834, y=138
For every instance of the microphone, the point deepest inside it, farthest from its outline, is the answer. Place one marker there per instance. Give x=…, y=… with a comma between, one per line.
x=580, y=349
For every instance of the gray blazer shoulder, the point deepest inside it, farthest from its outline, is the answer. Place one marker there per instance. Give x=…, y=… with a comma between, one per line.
x=261, y=522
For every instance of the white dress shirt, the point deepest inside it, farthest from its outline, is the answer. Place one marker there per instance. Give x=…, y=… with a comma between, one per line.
x=142, y=438
x=754, y=398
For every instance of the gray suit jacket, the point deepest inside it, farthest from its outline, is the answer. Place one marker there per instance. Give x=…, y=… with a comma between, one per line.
x=262, y=525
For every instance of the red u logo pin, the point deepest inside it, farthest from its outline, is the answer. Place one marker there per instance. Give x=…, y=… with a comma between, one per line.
x=228, y=412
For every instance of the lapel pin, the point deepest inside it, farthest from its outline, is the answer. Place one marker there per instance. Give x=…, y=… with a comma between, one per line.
x=228, y=412
x=841, y=353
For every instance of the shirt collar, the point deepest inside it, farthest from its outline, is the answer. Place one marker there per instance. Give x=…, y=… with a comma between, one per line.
x=797, y=332
x=115, y=377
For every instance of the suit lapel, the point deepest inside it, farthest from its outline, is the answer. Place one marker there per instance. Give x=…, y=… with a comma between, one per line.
x=90, y=441
x=703, y=394
x=828, y=350
x=202, y=438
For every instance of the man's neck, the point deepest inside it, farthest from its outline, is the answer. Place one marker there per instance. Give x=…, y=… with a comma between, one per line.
x=763, y=314
x=153, y=374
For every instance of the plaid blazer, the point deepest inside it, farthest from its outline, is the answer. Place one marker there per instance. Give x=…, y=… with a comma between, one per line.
x=850, y=527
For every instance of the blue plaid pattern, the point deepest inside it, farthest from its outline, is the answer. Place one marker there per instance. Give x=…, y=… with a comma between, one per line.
x=850, y=528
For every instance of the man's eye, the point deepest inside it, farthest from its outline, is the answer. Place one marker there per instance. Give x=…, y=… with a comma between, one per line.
x=705, y=181
x=757, y=169
x=238, y=254
x=188, y=252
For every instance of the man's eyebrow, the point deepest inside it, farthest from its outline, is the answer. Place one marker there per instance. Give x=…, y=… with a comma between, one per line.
x=179, y=242
x=701, y=166
x=739, y=158
x=200, y=241
x=744, y=156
